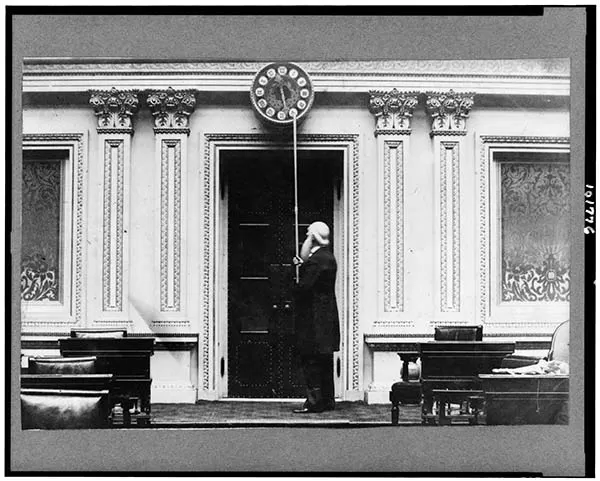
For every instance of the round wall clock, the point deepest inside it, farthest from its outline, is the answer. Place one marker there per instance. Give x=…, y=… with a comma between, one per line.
x=281, y=91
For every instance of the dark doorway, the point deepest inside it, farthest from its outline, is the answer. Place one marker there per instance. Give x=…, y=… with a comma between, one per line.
x=261, y=237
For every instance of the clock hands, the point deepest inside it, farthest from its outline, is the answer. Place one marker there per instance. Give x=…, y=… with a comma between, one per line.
x=282, y=96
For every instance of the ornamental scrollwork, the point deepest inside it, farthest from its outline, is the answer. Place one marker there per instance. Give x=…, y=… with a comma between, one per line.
x=392, y=110
x=170, y=108
x=449, y=112
x=115, y=108
x=41, y=246
x=535, y=226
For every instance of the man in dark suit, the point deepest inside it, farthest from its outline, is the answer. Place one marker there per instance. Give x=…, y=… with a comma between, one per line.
x=317, y=319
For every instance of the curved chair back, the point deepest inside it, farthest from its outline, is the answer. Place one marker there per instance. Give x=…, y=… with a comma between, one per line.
x=458, y=333
x=98, y=333
x=62, y=365
x=559, y=348
x=64, y=409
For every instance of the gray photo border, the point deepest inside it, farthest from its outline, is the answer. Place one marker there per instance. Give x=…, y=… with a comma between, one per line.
x=551, y=450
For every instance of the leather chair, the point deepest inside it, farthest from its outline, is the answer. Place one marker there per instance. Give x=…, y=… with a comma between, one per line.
x=98, y=333
x=458, y=333
x=62, y=365
x=64, y=409
x=559, y=350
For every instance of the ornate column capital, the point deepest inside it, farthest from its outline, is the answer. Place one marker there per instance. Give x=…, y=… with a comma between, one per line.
x=115, y=109
x=392, y=111
x=449, y=111
x=171, y=109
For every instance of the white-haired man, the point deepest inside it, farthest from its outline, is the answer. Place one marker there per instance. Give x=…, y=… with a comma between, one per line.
x=317, y=319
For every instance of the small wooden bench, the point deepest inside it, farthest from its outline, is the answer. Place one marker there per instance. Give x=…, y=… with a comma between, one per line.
x=445, y=397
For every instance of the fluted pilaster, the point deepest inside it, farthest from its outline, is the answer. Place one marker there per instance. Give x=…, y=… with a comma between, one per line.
x=115, y=111
x=171, y=110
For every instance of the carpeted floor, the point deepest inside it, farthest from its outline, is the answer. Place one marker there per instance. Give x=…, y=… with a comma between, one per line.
x=251, y=413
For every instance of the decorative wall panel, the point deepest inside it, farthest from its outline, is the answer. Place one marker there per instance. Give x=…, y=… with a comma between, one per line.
x=113, y=206
x=535, y=232
x=393, y=223
x=515, y=187
x=41, y=274
x=54, y=225
x=170, y=225
x=449, y=227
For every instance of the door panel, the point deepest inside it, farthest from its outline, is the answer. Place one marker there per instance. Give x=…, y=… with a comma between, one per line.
x=261, y=237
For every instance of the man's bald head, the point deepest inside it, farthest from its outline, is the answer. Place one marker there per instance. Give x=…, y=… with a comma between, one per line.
x=320, y=232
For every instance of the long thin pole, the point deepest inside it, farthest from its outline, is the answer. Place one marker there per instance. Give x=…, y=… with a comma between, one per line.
x=296, y=198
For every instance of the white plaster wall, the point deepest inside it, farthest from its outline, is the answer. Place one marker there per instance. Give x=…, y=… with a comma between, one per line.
x=171, y=381
x=172, y=368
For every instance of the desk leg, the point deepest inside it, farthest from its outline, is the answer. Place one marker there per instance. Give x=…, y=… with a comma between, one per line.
x=126, y=405
x=395, y=412
x=442, y=415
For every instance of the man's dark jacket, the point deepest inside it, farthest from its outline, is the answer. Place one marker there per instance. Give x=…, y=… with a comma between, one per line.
x=317, y=319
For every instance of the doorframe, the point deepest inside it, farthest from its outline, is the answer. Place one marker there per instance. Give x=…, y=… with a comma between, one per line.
x=212, y=359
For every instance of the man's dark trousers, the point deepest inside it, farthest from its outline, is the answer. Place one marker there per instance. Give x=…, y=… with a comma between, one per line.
x=318, y=374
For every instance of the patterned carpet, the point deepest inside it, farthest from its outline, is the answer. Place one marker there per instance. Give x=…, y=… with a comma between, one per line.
x=253, y=413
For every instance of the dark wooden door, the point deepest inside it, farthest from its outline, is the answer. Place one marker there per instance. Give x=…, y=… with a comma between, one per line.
x=261, y=355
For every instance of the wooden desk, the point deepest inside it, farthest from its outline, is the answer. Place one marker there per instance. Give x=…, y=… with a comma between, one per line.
x=128, y=359
x=455, y=366
x=525, y=399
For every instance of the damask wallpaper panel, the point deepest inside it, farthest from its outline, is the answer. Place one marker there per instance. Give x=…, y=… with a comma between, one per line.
x=535, y=228
x=41, y=229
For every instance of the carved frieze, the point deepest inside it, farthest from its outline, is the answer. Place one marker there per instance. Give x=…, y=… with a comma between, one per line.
x=115, y=109
x=449, y=112
x=171, y=109
x=392, y=110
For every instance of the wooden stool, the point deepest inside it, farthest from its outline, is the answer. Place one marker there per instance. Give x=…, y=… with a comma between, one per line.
x=405, y=391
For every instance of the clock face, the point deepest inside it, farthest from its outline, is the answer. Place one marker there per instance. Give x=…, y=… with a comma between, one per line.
x=281, y=91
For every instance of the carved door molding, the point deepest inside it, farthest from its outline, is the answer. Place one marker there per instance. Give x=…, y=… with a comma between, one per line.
x=210, y=299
